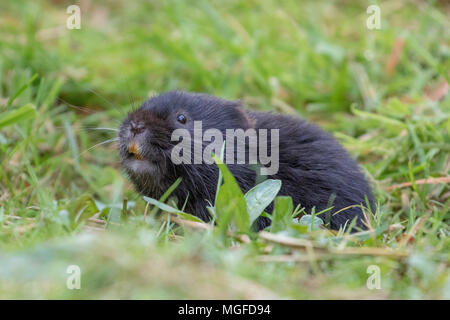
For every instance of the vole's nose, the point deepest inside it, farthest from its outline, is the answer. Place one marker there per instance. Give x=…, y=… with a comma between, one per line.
x=136, y=128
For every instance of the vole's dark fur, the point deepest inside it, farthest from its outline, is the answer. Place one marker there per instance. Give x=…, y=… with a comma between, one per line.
x=313, y=168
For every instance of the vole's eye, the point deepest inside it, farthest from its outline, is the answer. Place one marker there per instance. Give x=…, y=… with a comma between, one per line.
x=181, y=118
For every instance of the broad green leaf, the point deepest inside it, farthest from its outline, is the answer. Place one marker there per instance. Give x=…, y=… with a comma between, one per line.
x=297, y=227
x=312, y=222
x=282, y=213
x=230, y=206
x=27, y=111
x=219, y=180
x=170, y=209
x=260, y=196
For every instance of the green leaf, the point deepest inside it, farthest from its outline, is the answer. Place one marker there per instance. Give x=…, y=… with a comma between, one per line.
x=170, y=209
x=396, y=109
x=21, y=89
x=166, y=194
x=83, y=208
x=260, y=196
x=27, y=111
x=282, y=213
x=388, y=123
x=219, y=180
x=230, y=206
x=312, y=222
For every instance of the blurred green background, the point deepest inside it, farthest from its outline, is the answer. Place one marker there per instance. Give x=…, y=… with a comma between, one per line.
x=382, y=93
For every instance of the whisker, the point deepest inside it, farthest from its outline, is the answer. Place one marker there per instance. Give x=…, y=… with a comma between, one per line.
x=98, y=144
x=102, y=128
x=82, y=109
x=106, y=100
x=130, y=97
x=92, y=128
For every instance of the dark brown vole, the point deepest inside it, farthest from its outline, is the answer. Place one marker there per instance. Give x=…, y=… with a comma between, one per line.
x=313, y=167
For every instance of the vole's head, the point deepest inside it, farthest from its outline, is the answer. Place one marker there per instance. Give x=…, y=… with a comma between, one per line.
x=145, y=135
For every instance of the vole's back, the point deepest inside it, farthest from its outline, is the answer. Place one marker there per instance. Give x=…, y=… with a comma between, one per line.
x=315, y=170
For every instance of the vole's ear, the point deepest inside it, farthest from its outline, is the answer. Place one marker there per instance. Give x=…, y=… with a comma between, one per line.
x=247, y=117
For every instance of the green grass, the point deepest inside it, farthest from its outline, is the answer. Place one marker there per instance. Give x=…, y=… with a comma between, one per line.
x=311, y=58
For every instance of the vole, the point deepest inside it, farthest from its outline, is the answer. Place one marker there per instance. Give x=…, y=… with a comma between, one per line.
x=315, y=170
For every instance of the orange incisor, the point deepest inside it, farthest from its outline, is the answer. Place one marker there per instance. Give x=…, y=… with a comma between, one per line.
x=135, y=150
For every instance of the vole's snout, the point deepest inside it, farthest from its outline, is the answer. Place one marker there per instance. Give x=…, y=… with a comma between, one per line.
x=132, y=138
x=134, y=150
